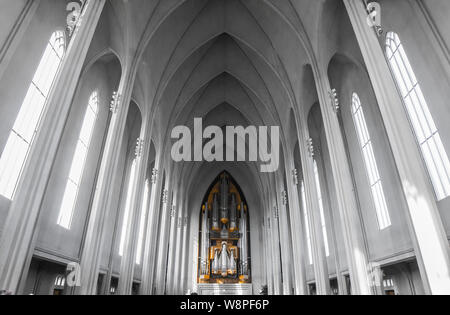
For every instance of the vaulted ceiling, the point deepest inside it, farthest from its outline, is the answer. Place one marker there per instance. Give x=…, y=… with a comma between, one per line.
x=238, y=62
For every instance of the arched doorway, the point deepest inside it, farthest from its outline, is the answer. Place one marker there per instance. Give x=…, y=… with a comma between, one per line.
x=224, y=252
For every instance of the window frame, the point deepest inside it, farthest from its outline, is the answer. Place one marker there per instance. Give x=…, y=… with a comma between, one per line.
x=65, y=217
x=441, y=186
x=373, y=174
x=20, y=142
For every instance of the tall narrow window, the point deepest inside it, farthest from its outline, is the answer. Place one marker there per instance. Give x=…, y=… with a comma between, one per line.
x=427, y=134
x=322, y=212
x=142, y=223
x=128, y=204
x=376, y=185
x=78, y=163
x=306, y=220
x=23, y=132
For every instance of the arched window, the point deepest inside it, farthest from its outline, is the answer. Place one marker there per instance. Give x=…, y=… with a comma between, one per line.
x=128, y=204
x=322, y=212
x=142, y=223
x=376, y=185
x=306, y=221
x=78, y=163
x=426, y=132
x=23, y=132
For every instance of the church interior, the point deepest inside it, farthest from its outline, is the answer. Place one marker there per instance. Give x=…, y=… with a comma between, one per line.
x=91, y=202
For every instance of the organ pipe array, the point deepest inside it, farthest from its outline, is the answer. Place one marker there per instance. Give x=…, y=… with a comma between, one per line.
x=224, y=241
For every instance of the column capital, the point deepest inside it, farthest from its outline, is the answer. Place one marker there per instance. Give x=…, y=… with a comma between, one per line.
x=115, y=102
x=173, y=211
x=310, y=147
x=139, y=147
x=335, y=105
x=165, y=196
x=284, y=197
x=75, y=9
x=154, y=178
x=295, y=177
x=374, y=17
x=276, y=212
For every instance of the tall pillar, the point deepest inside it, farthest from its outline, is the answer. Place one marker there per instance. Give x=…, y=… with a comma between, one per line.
x=269, y=255
x=103, y=198
x=328, y=208
x=312, y=203
x=427, y=230
x=17, y=241
x=273, y=219
x=297, y=233
x=128, y=262
x=161, y=258
x=184, y=254
x=8, y=49
x=347, y=204
x=176, y=283
x=172, y=246
x=151, y=233
x=285, y=238
x=91, y=251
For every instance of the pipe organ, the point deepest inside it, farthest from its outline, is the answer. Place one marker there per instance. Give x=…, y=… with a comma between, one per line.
x=224, y=237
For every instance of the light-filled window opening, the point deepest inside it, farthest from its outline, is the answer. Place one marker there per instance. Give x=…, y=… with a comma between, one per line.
x=306, y=221
x=27, y=122
x=78, y=163
x=128, y=204
x=376, y=185
x=321, y=208
x=427, y=134
x=142, y=222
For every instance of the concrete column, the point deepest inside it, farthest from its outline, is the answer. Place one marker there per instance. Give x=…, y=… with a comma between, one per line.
x=91, y=251
x=273, y=217
x=173, y=212
x=438, y=44
x=161, y=258
x=9, y=47
x=268, y=253
x=427, y=230
x=18, y=237
x=329, y=217
x=185, y=254
x=297, y=232
x=176, y=283
x=151, y=231
x=285, y=239
x=312, y=203
x=286, y=250
x=128, y=262
x=347, y=204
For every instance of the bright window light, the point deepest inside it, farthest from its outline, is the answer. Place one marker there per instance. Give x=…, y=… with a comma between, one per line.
x=427, y=134
x=78, y=163
x=376, y=185
x=322, y=212
x=142, y=223
x=23, y=132
x=307, y=229
x=128, y=203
